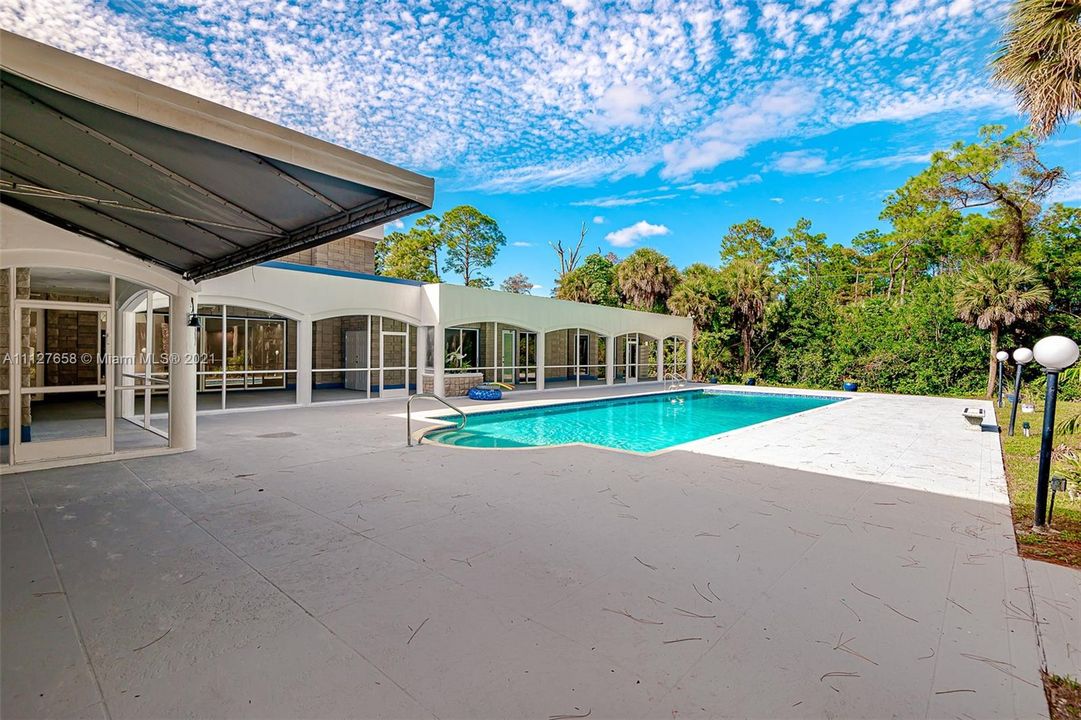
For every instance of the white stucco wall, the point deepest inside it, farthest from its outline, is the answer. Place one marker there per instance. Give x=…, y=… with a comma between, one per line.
x=305, y=294
x=458, y=304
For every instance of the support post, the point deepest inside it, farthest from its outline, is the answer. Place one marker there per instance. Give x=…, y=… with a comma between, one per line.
x=182, y=426
x=660, y=360
x=1016, y=397
x=690, y=361
x=540, y=359
x=439, y=360
x=422, y=356
x=609, y=360
x=1047, y=441
x=304, y=362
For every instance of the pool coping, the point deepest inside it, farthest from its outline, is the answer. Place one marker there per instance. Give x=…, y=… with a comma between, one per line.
x=420, y=436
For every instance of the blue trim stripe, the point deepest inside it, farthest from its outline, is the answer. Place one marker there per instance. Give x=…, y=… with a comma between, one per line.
x=279, y=265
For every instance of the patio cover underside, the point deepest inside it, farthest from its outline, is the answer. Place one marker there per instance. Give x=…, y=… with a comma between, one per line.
x=195, y=187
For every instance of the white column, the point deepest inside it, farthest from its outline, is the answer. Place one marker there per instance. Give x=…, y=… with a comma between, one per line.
x=540, y=359
x=422, y=355
x=610, y=360
x=690, y=361
x=182, y=374
x=305, y=338
x=439, y=359
x=660, y=359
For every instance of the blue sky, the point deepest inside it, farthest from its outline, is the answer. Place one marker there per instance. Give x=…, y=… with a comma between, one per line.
x=655, y=123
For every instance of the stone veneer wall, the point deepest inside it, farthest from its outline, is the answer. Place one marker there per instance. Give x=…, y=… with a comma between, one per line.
x=22, y=292
x=454, y=384
x=353, y=253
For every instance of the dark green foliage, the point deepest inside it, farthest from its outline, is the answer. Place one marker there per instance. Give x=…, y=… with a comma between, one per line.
x=594, y=282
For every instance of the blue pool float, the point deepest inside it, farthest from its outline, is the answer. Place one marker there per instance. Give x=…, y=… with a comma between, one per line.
x=484, y=393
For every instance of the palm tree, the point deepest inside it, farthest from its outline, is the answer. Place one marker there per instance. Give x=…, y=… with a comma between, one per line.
x=749, y=287
x=646, y=279
x=1040, y=59
x=692, y=299
x=574, y=286
x=994, y=296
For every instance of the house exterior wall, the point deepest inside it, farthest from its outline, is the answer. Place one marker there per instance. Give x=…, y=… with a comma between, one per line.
x=27, y=242
x=355, y=253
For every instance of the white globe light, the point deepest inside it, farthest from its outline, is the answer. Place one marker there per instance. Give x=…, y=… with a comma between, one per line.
x=1022, y=356
x=1056, y=352
x=1002, y=356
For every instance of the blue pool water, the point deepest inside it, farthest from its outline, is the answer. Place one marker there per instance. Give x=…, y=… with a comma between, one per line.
x=641, y=423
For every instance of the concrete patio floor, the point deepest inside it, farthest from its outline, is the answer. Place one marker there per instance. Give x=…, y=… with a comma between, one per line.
x=305, y=563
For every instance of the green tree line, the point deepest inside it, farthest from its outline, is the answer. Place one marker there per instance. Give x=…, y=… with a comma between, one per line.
x=972, y=259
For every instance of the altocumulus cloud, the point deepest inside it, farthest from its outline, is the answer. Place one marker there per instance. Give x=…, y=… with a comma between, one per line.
x=629, y=236
x=510, y=97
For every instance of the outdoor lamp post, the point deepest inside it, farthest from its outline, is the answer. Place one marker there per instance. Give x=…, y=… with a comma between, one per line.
x=1002, y=356
x=1021, y=356
x=1055, y=354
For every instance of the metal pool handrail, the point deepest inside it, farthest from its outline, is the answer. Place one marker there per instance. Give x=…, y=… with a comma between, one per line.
x=409, y=416
x=678, y=380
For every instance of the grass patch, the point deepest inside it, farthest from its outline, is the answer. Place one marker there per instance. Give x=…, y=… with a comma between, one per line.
x=1020, y=455
x=1063, y=697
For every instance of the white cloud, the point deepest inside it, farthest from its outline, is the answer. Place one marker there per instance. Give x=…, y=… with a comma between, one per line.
x=629, y=236
x=892, y=161
x=911, y=105
x=512, y=97
x=598, y=219
x=736, y=127
x=721, y=186
x=778, y=200
x=623, y=200
x=800, y=162
x=622, y=105
x=1068, y=191
x=521, y=244
x=396, y=225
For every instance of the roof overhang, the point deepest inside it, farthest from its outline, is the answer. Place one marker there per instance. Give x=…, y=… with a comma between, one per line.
x=191, y=185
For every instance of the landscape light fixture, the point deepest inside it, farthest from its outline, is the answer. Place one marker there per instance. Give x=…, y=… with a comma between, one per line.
x=1021, y=356
x=1055, y=354
x=1002, y=356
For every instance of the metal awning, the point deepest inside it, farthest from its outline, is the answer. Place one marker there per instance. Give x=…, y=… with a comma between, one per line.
x=194, y=186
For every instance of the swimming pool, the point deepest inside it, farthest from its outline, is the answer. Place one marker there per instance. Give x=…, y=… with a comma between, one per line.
x=639, y=423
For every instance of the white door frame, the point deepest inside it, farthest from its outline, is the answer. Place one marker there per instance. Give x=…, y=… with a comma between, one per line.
x=630, y=369
x=504, y=368
x=35, y=451
x=396, y=392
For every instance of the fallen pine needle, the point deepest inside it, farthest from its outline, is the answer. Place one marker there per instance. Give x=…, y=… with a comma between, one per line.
x=416, y=631
x=947, y=692
x=688, y=613
x=624, y=613
x=159, y=637
x=700, y=593
x=669, y=642
x=651, y=567
x=891, y=607
x=838, y=674
x=876, y=597
x=570, y=717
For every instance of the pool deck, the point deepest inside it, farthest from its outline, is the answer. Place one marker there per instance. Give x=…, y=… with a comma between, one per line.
x=305, y=563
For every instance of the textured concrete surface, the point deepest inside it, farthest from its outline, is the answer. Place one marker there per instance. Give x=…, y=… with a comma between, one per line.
x=1056, y=595
x=303, y=563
